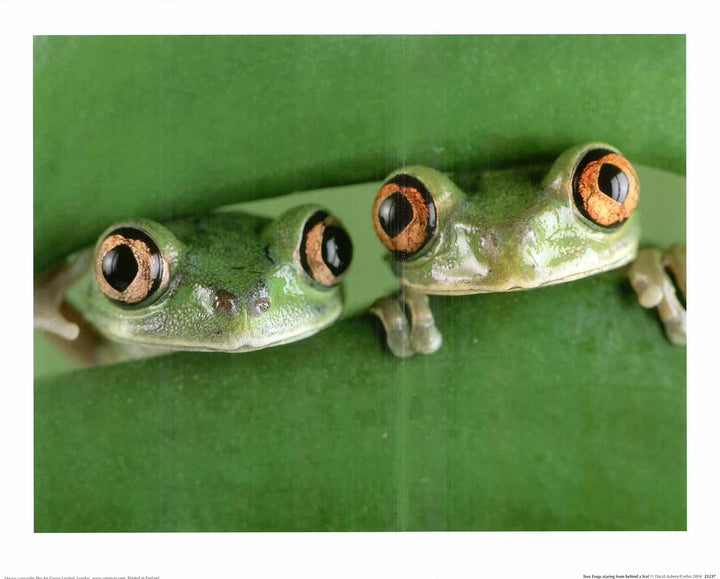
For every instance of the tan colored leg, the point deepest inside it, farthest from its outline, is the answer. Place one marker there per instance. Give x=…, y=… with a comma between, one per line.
x=674, y=259
x=49, y=292
x=396, y=325
x=671, y=309
x=424, y=335
x=647, y=277
x=655, y=287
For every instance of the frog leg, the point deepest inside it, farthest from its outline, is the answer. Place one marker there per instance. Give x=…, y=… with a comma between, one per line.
x=49, y=293
x=659, y=280
x=393, y=319
x=405, y=338
x=425, y=338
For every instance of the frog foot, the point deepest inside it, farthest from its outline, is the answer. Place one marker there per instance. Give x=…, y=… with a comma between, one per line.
x=49, y=293
x=405, y=337
x=659, y=281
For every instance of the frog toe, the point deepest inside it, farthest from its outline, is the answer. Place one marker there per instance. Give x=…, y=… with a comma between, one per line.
x=395, y=323
x=399, y=344
x=49, y=294
x=676, y=331
x=425, y=339
x=659, y=281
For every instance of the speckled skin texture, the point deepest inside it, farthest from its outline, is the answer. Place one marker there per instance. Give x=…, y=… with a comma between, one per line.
x=235, y=285
x=517, y=229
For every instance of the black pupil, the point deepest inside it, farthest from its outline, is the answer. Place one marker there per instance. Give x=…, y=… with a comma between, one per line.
x=395, y=213
x=120, y=267
x=613, y=182
x=336, y=249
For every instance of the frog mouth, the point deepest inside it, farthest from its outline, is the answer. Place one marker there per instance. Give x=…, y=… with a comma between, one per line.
x=257, y=341
x=624, y=260
x=245, y=339
x=471, y=286
x=288, y=339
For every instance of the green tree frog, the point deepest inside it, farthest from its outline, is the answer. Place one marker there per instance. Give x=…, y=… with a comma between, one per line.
x=224, y=281
x=521, y=229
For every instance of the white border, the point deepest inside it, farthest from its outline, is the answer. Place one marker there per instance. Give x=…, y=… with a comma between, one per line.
x=354, y=555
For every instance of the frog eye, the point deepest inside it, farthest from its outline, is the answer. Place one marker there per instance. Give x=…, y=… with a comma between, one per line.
x=404, y=215
x=606, y=187
x=325, y=249
x=128, y=266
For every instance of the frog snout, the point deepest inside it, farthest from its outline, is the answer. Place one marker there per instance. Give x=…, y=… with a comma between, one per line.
x=258, y=300
x=225, y=302
x=228, y=303
x=259, y=304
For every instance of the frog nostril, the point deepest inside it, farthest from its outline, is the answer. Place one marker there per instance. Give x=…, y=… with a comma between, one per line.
x=258, y=300
x=260, y=305
x=488, y=242
x=224, y=302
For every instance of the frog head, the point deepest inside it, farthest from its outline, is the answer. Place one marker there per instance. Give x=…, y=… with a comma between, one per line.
x=523, y=228
x=223, y=281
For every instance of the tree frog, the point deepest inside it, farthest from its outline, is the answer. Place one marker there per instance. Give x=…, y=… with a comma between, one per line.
x=522, y=228
x=224, y=281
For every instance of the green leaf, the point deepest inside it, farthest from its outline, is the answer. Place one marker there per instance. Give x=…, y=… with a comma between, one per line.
x=562, y=408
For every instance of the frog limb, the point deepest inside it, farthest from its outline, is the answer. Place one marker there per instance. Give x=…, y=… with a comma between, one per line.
x=393, y=319
x=424, y=335
x=407, y=336
x=651, y=276
x=49, y=293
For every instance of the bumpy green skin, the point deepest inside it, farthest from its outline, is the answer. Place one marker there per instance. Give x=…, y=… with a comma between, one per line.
x=236, y=284
x=520, y=230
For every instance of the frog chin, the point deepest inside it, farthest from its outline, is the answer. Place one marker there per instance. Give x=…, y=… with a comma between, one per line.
x=245, y=338
x=286, y=338
x=619, y=262
x=259, y=338
x=479, y=279
x=270, y=333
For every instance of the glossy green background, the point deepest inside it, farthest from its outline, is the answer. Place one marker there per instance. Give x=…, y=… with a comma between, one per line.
x=562, y=408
